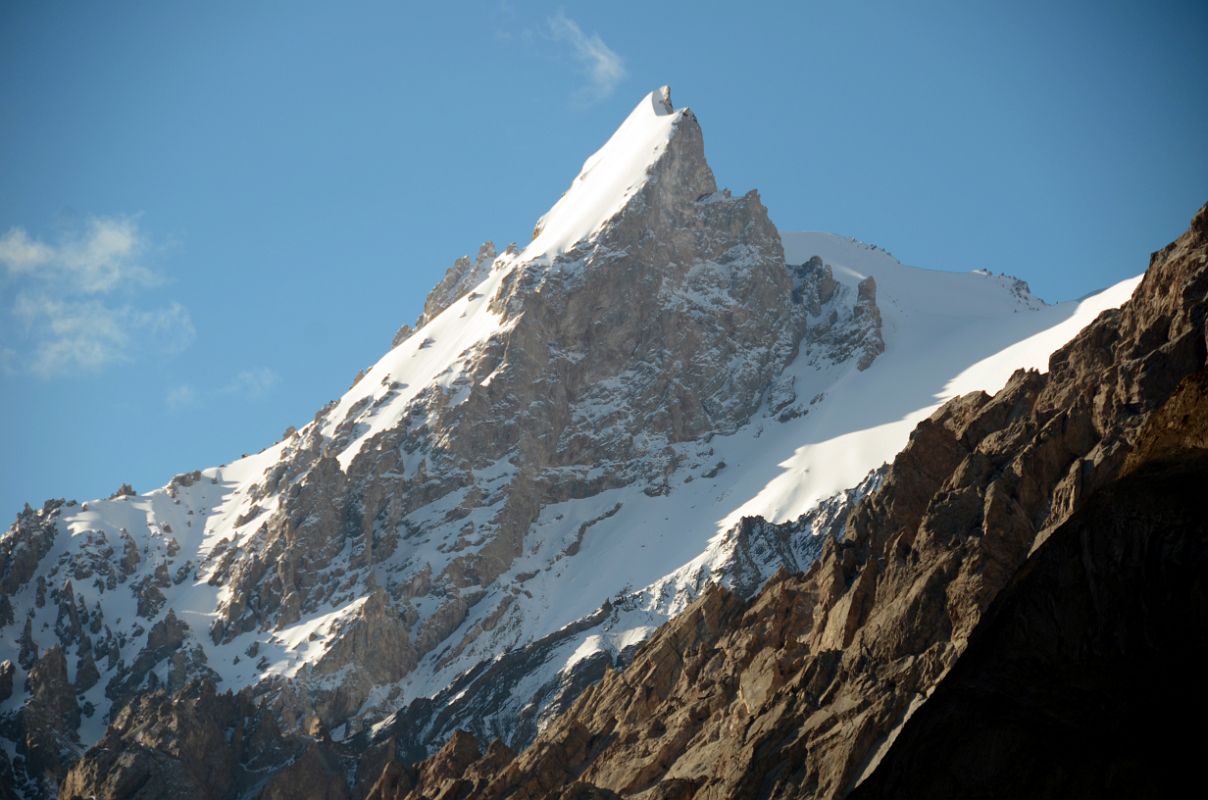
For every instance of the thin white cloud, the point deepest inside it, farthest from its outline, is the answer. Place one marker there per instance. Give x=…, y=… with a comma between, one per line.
x=70, y=337
x=64, y=308
x=247, y=384
x=252, y=384
x=98, y=259
x=19, y=253
x=181, y=397
x=9, y=361
x=80, y=336
x=169, y=329
x=603, y=66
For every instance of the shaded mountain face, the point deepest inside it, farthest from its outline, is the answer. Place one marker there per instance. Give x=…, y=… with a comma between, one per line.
x=657, y=395
x=803, y=691
x=1085, y=677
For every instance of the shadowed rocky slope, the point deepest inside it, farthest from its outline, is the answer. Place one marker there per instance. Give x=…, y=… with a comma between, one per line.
x=801, y=691
x=1085, y=678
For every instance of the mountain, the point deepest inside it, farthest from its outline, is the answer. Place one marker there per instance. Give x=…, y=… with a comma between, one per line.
x=1016, y=611
x=658, y=402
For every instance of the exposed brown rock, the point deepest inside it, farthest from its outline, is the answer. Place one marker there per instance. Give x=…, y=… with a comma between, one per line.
x=872, y=344
x=30, y=539
x=1180, y=427
x=164, y=639
x=315, y=775
x=28, y=652
x=86, y=671
x=48, y=720
x=196, y=744
x=1084, y=678
x=460, y=278
x=458, y=771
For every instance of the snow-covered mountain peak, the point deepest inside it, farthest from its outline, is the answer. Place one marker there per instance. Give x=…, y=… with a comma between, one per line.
x=561, y=455
x=646, y=199
x=612, y=175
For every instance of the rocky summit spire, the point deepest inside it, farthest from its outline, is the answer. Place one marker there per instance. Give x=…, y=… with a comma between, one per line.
x=617, y=173
x=665, y=98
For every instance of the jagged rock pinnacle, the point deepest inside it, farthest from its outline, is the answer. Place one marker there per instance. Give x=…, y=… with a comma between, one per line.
x=664, y=96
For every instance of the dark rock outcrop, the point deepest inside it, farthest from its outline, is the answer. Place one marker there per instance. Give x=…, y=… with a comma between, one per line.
x=317, y=774
x=194, y=744
x=31, y=537
x=460, y=278
x=1085, y=677
x=6, y=679
x=47, y=722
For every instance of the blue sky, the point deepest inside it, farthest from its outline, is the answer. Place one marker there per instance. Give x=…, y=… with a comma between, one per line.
x=213, y=214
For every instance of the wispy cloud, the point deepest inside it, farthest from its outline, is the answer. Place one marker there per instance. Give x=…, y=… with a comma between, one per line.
x=9, y=362
x=181, y=397
x=247, y=385
x=95, y=260
x=603, y=67
x=252, y=384
x=71, y=336
x=65, y=300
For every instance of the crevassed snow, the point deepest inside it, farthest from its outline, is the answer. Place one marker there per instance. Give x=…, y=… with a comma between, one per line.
x=608, y=179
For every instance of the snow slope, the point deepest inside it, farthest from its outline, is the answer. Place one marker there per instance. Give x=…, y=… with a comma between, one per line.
x=946, y=334
x=608, y=178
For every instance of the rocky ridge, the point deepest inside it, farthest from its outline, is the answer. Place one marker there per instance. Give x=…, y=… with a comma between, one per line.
x=1061, y=677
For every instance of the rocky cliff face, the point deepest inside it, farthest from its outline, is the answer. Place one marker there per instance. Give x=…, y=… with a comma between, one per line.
x=802, y=691
x=1060, y=677
x=1084, y=676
